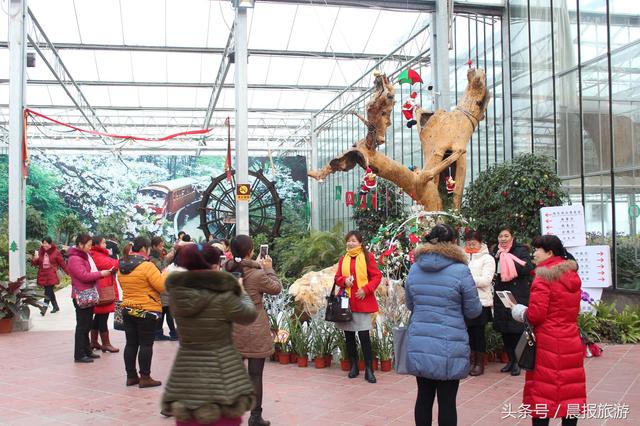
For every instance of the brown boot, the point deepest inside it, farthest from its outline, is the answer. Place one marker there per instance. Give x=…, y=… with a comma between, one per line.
x=147, y=382
x=106, y=344
x=133, y=380
x=94, y=340
x=477, y=368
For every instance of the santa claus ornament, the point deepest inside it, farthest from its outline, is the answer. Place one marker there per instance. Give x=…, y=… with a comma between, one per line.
x=409, y=109
x=369, y=181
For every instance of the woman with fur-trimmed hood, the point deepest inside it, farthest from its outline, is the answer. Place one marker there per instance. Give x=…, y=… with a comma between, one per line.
x=441, y=293
x=557, y=381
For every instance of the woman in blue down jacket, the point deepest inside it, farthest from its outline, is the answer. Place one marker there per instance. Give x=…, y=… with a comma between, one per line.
x=440, y=292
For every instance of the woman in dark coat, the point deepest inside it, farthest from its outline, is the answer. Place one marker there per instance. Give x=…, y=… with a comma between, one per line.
x=48, y=259
x=254, y=341
x=208, y=383
x=513, y=268
x=557, y=382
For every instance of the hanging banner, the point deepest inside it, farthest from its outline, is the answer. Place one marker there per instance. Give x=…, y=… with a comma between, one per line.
x=374, y=200
x=349, y=198
x=363, y=201
x=338, y=192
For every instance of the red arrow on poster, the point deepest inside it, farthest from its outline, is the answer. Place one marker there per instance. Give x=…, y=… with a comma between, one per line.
x=549, y=220
x=600, y=260
x=601, y=273
x=547, y=214
x=601, y=279
x=600, y=266
x=600, y=253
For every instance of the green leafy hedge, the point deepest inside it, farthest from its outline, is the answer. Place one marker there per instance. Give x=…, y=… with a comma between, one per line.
x=512, y=194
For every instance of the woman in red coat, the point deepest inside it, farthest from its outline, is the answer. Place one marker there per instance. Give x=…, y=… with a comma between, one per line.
x=102, y=259
x=48, y=259
x=358, y=275
x=556, y=386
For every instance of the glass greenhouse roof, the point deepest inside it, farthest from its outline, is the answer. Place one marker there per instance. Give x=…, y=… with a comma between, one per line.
x=148, y=67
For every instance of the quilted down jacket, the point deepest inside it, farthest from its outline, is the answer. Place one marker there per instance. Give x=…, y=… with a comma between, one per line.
x=558, y=378
x=441, y=293
x=208, y=378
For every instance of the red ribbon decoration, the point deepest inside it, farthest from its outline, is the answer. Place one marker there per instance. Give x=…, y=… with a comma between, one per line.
x=111, y=135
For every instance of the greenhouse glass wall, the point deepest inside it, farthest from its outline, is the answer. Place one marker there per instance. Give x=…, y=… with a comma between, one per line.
x=565, y=81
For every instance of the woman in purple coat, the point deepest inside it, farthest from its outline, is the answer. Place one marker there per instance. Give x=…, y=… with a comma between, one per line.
x=84, y=275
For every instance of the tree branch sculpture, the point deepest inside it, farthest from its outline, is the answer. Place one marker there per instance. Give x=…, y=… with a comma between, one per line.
x=441, y=133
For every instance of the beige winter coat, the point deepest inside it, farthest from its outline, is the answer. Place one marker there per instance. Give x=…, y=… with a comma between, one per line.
x=483, y=267
x=255, y=340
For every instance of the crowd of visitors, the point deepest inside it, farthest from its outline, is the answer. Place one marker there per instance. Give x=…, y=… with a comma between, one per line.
x=211, y=297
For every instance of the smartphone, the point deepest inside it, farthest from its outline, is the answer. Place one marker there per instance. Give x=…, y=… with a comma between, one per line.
x=264, y=251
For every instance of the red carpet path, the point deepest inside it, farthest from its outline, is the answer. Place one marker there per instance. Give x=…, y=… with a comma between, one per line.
x=41, y=385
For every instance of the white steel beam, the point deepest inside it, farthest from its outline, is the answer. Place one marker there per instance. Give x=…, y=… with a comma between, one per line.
x=17, y=86
x=242, y=100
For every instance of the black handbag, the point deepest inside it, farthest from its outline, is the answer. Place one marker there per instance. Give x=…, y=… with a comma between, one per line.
x=335, y=312
x=526, y=348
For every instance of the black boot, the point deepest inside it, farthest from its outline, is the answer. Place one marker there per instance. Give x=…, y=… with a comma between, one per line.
x=352, y=352
x=508, y=367
x=368, y=373
x=256, y=418
x=353, y=371
x=365, y=341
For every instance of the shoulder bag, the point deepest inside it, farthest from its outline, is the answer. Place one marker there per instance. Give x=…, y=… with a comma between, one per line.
x=87, y=298
x=526, y=348
x=106, y=295
x=338, y=309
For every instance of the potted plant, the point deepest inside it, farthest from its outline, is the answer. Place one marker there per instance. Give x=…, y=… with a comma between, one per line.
x=385, y=348
x=329, y=344
x=300, y=340
x=341, y=344
x=14, y=298
x=317, y=344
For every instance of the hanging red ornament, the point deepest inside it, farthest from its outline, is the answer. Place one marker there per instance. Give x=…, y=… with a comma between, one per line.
x=349, y=198
x=413, y=238
x=412, y=258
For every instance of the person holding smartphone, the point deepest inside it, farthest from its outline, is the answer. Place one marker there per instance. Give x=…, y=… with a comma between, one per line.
x=103, y=260
x=254, y=340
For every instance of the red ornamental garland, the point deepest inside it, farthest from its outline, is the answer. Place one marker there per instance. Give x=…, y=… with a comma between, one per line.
x=111, y=135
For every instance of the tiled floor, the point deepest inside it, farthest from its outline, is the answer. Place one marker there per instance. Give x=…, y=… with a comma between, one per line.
x=40, y=384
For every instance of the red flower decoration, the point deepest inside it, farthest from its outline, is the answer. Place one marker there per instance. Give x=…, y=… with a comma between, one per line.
x=505, y=194
x=412, y=258
x=414, y=239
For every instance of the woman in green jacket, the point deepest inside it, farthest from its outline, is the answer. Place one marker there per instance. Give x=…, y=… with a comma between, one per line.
x=208, y=384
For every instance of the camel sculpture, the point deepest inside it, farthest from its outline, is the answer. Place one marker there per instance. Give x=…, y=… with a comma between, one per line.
x=443, y=137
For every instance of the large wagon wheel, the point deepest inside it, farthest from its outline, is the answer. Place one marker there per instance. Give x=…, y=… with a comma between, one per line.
x=218, y=207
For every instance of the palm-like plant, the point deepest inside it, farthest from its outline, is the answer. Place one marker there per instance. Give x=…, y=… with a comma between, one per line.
x=15, y=296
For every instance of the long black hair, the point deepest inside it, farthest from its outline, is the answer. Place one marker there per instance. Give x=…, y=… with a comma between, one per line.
x=138, y=244
x=241, y=246
x=441, y=233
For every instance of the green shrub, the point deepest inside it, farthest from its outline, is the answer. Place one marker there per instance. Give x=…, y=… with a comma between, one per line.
x=512, y=194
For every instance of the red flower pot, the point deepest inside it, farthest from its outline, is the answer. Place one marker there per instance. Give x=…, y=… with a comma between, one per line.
x=327, y=360
x=303, y=361
x=6, y=325
x=504, y=357
x=345, y=365
x=293, y=358
x=374, y=364
x=385, y=365
x=283, y=358
x=491, y=356
x=319, y=362
x=274, y=356
x=485, y=359
x=361, y=364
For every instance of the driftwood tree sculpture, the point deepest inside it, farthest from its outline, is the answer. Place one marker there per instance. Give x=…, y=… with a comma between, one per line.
x=441, y=133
